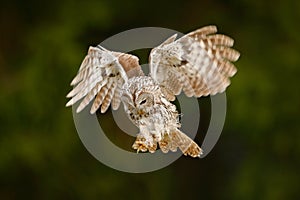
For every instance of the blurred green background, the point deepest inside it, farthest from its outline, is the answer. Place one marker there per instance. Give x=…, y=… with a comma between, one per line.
x=42, y=44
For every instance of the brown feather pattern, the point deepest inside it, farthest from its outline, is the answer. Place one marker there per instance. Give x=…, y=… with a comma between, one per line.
x=207, y=62
x=199, y=64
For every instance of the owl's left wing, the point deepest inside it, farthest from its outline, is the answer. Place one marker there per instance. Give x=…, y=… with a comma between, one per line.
x=199, y=63
x=102, y=74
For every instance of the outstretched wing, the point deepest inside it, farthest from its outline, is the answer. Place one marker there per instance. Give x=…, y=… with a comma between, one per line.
x=199, y=63
x=102, y=74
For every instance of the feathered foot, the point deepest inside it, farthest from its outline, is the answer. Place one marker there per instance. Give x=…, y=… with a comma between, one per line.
x=144, y=144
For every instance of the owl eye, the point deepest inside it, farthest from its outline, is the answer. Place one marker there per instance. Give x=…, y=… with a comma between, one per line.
x=142, y=102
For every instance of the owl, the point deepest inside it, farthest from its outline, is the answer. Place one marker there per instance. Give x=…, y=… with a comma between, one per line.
x=198, y=64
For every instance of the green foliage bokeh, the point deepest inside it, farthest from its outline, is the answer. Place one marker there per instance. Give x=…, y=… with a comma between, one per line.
x=41, y=47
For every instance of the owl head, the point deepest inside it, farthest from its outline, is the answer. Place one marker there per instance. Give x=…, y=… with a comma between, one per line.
x=140, y=92
x=139, y=97
x=142, y=101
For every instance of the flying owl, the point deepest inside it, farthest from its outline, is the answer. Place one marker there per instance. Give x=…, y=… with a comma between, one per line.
x=199, y=64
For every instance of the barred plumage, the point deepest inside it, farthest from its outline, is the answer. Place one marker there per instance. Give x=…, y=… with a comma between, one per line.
x=199, y=64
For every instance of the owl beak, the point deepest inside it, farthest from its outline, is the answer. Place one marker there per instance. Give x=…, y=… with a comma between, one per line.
x=140, y=112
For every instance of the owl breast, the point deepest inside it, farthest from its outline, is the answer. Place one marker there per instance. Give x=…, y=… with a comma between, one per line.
x=147, y=107
x=157, y=114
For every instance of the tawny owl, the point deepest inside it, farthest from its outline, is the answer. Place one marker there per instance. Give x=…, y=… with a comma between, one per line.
x=199, y=64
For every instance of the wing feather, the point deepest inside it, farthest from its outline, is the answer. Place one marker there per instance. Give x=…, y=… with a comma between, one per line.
x=108, y=97
x=89, y=97
x=116, y=100
x=202, y=61
x=99, y=99
x=102, y=73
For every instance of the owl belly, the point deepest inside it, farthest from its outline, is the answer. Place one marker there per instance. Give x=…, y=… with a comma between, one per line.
x=158, y=121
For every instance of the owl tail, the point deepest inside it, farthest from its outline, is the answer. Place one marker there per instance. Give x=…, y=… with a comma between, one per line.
x=178, y=139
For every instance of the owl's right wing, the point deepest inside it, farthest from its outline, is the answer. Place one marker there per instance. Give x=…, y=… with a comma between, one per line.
x=199, y=63
x=102, y=74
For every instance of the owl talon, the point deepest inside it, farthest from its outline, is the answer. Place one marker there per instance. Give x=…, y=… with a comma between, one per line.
x=140, y=144
x=139, y=147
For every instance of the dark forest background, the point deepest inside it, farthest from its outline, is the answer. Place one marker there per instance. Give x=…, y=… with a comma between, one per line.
x=42, y=44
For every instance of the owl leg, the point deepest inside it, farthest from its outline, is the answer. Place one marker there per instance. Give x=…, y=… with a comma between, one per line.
x=155, y=132
x=145, y=142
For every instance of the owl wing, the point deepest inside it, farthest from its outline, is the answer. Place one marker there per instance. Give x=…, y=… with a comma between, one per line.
x=102, y=74
x=199, y=63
